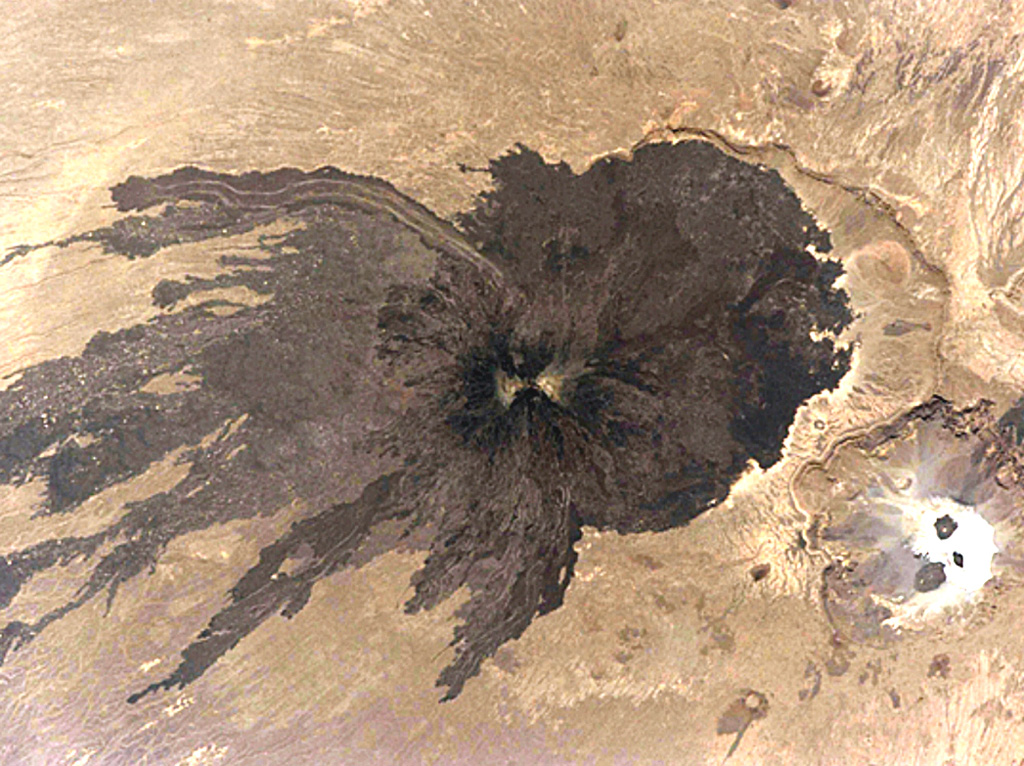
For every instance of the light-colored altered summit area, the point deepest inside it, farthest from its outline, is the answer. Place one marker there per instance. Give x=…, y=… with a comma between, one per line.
x=798, y=622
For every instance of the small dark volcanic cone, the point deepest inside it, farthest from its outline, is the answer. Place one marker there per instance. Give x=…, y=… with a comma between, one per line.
x=607, y=349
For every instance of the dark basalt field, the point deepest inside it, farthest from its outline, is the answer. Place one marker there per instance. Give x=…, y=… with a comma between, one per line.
x=608, y=349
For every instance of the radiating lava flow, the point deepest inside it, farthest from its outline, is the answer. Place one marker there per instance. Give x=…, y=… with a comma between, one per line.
x=608, y=349
x=921, y=514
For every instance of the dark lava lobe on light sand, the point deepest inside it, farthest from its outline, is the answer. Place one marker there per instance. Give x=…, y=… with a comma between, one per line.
x=607, y=349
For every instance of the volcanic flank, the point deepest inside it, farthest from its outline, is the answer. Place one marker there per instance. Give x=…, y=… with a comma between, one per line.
x=608, y=349
x=918, y=516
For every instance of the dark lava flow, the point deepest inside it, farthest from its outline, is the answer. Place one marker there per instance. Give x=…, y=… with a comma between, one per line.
x=607, y=349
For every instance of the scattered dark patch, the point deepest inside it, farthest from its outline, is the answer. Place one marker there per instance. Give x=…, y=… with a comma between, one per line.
x=750, y=706
x=722, y=638
x=621, y=27
x=505, y=659
x=958, y=559
x=760, y=571
x=945, y=527
x=1012, y=422
x=841, y=657
x=631, y=641
x=872, y=669
x=821, y=88
x=838, y=663
x=849, y=607
x=813, y=674
x=930, y=576
x=992, y=710
x=607, y=349
x=902, y=327
x=894, y=697
x=939, y=666
x=649, y=562
x=798, y=97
